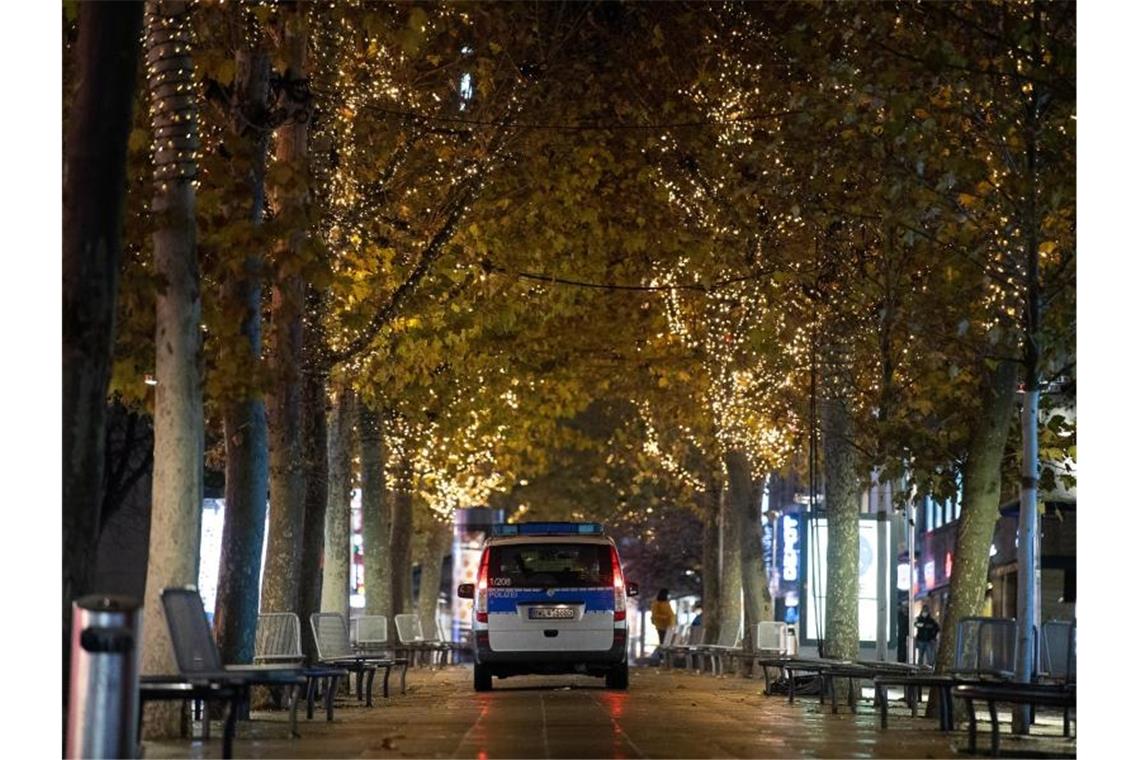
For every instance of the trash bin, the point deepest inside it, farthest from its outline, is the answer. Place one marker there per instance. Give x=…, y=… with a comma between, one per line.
x=103, y=707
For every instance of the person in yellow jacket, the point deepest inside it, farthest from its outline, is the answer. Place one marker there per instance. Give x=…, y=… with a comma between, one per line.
x=661, y=614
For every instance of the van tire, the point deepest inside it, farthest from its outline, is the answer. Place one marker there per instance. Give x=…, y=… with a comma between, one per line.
x=482, y=678
x=618, y=678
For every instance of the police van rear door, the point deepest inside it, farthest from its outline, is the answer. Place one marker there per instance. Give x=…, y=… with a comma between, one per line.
x=550, y=594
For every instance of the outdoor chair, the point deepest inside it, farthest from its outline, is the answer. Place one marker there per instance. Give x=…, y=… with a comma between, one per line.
x=410, y=632
x=369, y=635
x=674, y=639
x=769, y=639
x=985, y=652
x=199, y=661
x=455, y=648
x=1058, y=652
x=985, y=648
x=728, y=642
x=690, y=648
x=330, y=632
x=664, y=645
x=279, y=642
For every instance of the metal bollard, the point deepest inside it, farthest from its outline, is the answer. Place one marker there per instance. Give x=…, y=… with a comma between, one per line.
x=103, y=707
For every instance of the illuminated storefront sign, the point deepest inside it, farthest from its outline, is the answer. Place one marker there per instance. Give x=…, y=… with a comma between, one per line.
x=790, y=557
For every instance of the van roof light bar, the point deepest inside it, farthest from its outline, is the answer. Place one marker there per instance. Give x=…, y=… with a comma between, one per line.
x=547, y=529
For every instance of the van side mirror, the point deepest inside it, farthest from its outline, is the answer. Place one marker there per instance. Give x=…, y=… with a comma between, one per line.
x=466, y=590
x=632, y=589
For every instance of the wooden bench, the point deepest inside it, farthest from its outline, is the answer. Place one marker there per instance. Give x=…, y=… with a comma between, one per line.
x=1034, y=695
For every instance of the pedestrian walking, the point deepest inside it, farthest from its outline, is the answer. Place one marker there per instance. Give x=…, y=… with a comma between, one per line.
x=661, y=614
x=926, y=636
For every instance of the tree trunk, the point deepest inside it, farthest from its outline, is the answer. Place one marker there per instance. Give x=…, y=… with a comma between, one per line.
x=316, y=478
x=401, y=537
x=94, y=189
x=731, y=609
x=710, y=566
x=431, y=572
x=338, y=515
x=243, y=420
x=287, y=489
x=841, y=473
x=178, y=430
x=286, y=454
x=981, y=497
x=375, y=506
x=757, y=599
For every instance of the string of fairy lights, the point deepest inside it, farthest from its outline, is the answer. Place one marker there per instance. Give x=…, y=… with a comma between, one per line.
x=171, y=80
x=746, y=395
x=377, y=220
x=383, y=184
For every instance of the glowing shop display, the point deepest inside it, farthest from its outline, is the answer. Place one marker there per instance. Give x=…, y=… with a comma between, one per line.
x=814, y=603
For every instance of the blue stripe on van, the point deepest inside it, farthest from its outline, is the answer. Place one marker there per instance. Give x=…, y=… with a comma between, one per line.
x=503, y=600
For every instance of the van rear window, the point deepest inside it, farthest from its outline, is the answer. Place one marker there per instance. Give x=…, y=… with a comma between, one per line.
x=551, y=566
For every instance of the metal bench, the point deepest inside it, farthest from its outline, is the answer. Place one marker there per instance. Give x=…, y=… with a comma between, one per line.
x=859, y=671
x=199, y=662
x=163, y=688
x=1058, y=652
x=912, y=685
x=727, y=643
x=369, y=637
x=454, y=648
x=279, y=642
x=769, y=639
x=1045, y=695
x=985, y=651
x=694, y=639
x=789, y=666
x=673, y=636
x=410, y=632
x=334, y=650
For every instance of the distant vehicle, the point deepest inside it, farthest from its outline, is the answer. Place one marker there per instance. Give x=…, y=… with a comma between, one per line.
x=550, y=598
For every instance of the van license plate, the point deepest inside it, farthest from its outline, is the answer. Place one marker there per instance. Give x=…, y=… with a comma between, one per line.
x=551, y=613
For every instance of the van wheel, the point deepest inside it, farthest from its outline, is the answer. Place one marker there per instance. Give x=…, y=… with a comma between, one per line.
x=618, y=678
x=482, y=678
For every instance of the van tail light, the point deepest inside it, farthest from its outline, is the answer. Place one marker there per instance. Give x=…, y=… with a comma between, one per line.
x=481, y=587
x=619, y=587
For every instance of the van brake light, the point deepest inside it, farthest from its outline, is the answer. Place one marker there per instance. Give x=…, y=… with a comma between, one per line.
x=481, y=587
x=619, y=587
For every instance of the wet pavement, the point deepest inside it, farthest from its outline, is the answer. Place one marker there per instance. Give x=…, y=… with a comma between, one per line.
x=664, y=714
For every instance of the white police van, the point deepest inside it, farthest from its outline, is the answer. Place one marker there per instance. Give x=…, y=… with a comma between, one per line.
x=550, y=598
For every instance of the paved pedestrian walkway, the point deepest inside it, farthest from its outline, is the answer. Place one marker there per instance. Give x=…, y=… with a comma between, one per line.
x=663, y=715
